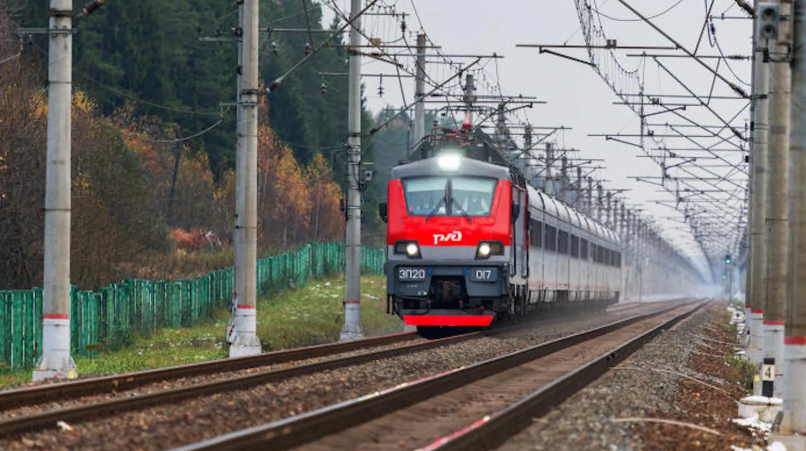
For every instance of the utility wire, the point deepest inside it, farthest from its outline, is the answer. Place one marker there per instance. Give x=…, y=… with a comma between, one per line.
x=177, y=140
x=276, y=83
x=616, y=19
x=725, y=59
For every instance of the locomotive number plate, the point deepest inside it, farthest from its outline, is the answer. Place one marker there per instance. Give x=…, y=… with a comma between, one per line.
x=411, y=274
x=483, y=274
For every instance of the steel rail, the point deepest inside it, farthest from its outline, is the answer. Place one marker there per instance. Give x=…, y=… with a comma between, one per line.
x=108, y=384
x=493, y=430
x=15, y=425
x=28, y=396
x=304, y=428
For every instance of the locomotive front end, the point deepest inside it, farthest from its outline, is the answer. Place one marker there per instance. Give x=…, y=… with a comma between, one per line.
x=448, y=238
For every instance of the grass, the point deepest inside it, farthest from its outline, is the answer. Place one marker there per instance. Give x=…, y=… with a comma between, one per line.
x=746, y=370
x=308, y=316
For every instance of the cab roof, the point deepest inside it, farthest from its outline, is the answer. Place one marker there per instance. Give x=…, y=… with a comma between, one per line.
x=466, y=167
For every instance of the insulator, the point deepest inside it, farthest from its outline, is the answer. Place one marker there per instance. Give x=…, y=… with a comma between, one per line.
x=323, y=87
x=274, y=46
x=307, y=48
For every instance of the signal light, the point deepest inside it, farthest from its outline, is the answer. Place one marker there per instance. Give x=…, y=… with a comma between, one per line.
x=727, y=259
x=769, y=20
x=724, y=276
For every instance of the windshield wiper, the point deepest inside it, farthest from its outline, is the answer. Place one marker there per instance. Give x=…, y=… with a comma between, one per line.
x=436, y=208
x=461, y=210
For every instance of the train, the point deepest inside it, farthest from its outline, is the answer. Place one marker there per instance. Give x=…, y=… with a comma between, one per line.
x=471, y=244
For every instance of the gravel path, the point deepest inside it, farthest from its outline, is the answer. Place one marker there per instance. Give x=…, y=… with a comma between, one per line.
x=193, y=420
x=589, y=419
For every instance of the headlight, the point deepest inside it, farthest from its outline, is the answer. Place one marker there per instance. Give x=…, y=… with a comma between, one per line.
x=487, y=248
x=449, y=162
x=408, y=248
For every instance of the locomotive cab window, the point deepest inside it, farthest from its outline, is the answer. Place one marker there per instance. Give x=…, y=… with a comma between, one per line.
x=475, y=195
x=449, y=196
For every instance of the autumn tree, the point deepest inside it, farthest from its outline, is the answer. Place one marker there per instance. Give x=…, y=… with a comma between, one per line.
x=22, y=162
x=327, y=221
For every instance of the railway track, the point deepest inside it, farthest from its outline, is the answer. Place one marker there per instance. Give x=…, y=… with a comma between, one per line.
x=16, y=398
x=108, y=385
x=24, y=419
x=473, y=407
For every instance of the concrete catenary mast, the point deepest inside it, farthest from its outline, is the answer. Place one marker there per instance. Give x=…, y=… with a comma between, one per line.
x=240, y=134
x=578, y=190
x=777, y=212
x=564, y=179
x=352, y=288
x=757, y=288
x=794, y=405
x=55, y=361
x=246, y=340
x=419, y=91
x=599, y=203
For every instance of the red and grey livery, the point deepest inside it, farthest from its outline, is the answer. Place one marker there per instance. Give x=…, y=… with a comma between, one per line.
x=469, y=243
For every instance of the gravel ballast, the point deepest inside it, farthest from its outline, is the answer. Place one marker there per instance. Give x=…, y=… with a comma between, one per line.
x=605, y=415
x=169, y=426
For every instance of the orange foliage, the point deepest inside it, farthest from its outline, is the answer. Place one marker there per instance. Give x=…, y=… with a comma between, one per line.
x=194, y=240
x=295, y=204
x=327, y=222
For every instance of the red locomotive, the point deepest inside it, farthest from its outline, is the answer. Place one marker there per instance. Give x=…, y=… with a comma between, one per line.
x=469, y=242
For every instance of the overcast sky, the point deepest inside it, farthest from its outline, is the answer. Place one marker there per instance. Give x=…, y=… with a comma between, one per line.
x=577, y=97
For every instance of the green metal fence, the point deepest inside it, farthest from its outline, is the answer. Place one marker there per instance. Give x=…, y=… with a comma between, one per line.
x=110, y=317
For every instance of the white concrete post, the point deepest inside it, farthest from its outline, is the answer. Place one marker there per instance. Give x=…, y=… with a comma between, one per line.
x=352, y=288
x=246, y=340
x=55, y=361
